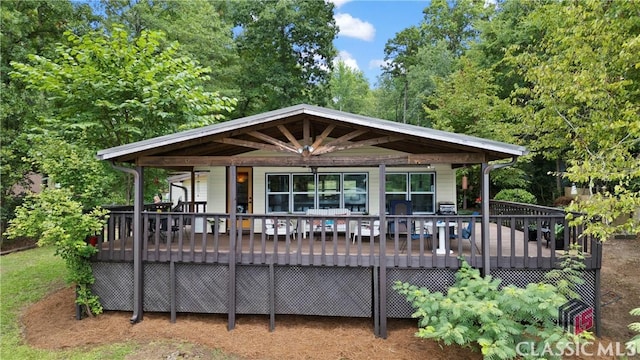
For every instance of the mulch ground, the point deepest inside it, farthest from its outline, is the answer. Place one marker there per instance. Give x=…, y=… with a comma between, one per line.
x=51, y=324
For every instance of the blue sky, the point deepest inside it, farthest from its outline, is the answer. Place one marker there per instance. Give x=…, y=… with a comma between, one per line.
x=365, y=27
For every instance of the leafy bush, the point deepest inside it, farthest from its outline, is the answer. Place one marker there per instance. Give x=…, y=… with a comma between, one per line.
x=475, y=311
x=54, y=218
x=516, y=195
x=634, y=343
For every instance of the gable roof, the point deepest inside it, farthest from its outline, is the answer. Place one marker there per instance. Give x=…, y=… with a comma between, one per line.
x=309, y=132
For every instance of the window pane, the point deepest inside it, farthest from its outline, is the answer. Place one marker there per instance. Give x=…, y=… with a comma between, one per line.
x=302, y=202
x=355, y=182
x=422, y=183
x=329, y=201
x=278, y=183
x=279, y=202
x=390, y=197
x=422, y=203
x=329, y=183
x=355, y=192
x=303, y=183
x=396, y=183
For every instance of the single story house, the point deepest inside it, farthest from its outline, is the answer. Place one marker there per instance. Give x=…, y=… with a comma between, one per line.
x=315, y=211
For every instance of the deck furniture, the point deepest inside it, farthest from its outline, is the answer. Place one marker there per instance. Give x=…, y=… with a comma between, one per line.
x=280, y=227
x=364, y=229
x=323, y=224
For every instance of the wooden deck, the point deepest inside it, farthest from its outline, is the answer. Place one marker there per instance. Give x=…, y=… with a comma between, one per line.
x=192, y=266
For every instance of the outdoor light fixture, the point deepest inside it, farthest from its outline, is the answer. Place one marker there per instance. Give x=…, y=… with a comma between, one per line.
x=307, y=148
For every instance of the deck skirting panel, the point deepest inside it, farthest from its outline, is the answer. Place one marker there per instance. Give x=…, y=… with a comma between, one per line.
x=326, y=291
x=432, y=279
x=114, y=285
x=201, y=288
x=588, y=291
x=252, y=289
x=292, y=290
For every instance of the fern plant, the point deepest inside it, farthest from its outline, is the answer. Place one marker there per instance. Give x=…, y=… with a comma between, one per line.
x=476, y=312
x=569, y=276
x=634, y=343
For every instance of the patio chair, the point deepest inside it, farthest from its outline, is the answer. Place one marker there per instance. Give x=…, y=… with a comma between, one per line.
x=465, y=234
x=282, y=227
x=365, y=230
x=400, y=207
x=163, y=228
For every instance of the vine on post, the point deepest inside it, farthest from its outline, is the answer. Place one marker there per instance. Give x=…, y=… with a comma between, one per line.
x=55, y=218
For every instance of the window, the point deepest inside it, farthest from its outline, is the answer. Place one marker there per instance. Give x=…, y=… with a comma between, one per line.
x=417, y=187
x=299, y=192
x=278, y=194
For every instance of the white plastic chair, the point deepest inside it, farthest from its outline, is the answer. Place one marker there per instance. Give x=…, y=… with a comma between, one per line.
x=283, y=227
x=365, y=230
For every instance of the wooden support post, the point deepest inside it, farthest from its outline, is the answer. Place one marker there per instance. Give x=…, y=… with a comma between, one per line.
x=231, y=181
x=383, y=254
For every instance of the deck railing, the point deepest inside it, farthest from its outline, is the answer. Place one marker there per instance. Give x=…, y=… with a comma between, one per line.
x=519, y=238
x=550, y=224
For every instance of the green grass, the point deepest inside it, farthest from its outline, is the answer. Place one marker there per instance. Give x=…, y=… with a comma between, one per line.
x=28, y=276
x=25, y=278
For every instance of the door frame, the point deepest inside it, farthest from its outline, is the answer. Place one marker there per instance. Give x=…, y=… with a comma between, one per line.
x=244, y=175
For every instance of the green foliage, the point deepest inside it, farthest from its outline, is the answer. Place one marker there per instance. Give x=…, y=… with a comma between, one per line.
x=27, y=27
x=634, y=343
x=583, y=100
x=109, y=90
x=54, y=218
x=516, y=195
x=198, y=25
x=477, y=312
x=349, y=90
x=570, y=274
x=72, y=167
x=285, y=49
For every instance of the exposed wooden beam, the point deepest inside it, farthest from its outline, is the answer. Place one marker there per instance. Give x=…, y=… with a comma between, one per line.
x=281, y=144
x=322, y=136
x=289, y=136
x=345, y=138
x=251, y=144
x=306, y=131
x=357, y=144
x=324, y=161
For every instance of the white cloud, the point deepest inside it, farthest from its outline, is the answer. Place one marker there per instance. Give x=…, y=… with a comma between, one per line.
x=377, y=64
x=347, y=59
x=339, y=3
x=354, y=27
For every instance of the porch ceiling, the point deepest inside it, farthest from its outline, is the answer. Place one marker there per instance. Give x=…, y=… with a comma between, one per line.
x=305, y=135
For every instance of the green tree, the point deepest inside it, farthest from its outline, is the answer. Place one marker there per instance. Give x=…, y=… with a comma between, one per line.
x=400, y=55
x=286, y=52
x=109, y=90
x=584, y=100
x=55, y=218
x=28, y=27
x=349, y=90
x=73, y=167
x=200, y=26
x=476, y=311
x=454, y=22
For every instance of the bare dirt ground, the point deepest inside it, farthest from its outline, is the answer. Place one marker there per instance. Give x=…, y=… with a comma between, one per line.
x=51, y=324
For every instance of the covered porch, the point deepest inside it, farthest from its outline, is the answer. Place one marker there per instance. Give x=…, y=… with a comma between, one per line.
x=262, y=245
